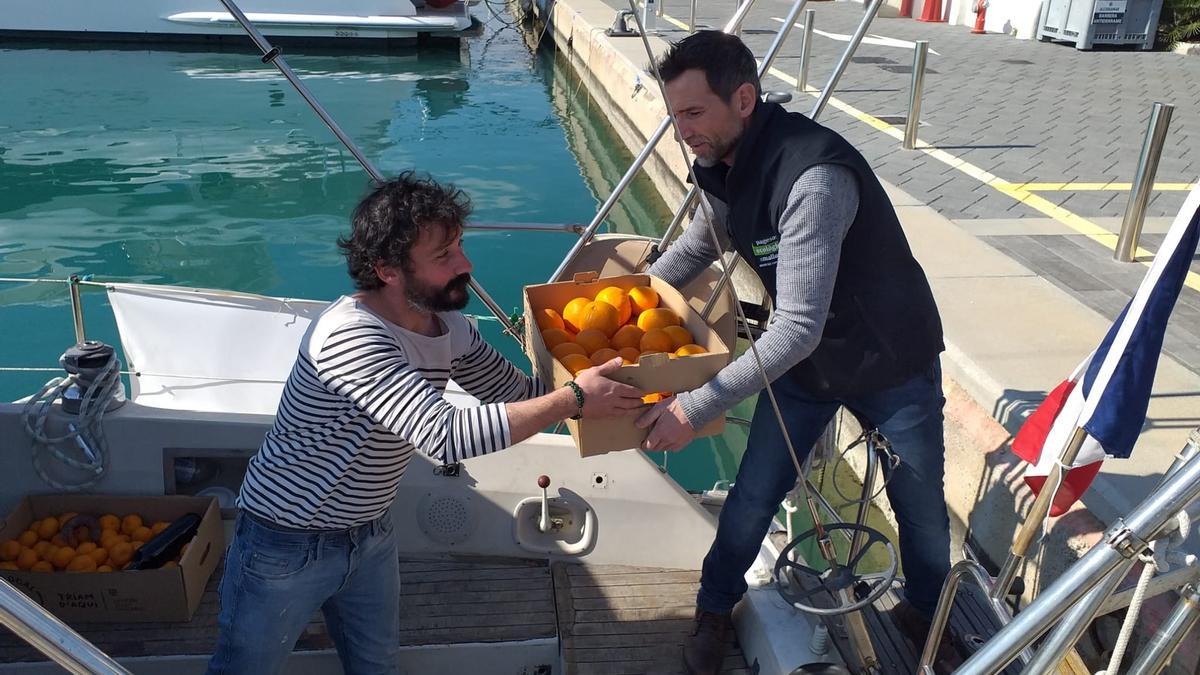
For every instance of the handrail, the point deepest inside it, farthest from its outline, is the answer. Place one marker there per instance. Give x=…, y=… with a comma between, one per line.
x=50, y=636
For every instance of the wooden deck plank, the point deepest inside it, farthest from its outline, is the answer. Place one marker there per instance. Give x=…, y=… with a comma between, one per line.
x=443, y=602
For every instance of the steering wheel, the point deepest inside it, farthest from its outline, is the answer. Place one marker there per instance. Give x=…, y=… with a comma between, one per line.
x=836, y=579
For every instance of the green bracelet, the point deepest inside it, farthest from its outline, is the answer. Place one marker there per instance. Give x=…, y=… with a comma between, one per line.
x=578, y=398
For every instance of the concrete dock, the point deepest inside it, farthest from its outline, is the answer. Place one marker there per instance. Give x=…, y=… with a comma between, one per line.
x=1011, y=202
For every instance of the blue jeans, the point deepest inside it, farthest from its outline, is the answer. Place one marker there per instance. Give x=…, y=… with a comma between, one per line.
x=276, y=578
x=909, y=415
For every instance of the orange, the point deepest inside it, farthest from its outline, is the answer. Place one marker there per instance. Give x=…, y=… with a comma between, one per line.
x=657, y=318
x=688, y=350
x=28, y=538
x=26, y=559
x=656, y=341
x=100, y=555
x=591, y=340
x=41, y=548
x=567, y=348
x=142, y=534
x=169, y=564
x=120, y=554
x=626, y=336
x=599, y=316
x=82, y=563
x=629, y=354
x=65, y=518
x=135, y=545
x=603, y=356
x=656, y=397
x=110, y=522
x=553, y=337
x=571, y=312
x=63, y=557
x=548, y=318
x=83, y=533
x=85, y=547
x=680, y=336
x=47, y=528
x=159, y=526
x=9, y=550
x=11, y=566
x=104, y=568
x=575, y=363
x=130, y=523
x=619, y=299
x=41, y=566
x=643, y=298
x=57, y=540
x=108, y=538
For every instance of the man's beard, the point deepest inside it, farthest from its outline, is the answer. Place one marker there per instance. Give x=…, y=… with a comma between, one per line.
x=718, y=148
x=429, y=298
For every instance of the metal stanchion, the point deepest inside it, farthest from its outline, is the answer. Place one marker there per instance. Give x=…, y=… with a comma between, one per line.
x=77, y=309
x=1143, y=181
x=810, y=15
x=1170, y=634
x=840, y=68
x=692, y=18
x=920, y=55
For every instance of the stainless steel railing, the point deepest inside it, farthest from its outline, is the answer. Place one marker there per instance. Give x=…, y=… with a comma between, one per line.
x=50, y=636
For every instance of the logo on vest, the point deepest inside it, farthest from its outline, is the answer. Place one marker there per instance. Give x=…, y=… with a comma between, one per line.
x=766, y=250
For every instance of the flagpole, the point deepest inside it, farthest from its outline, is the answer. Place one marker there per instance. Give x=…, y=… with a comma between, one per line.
x=1029, y=529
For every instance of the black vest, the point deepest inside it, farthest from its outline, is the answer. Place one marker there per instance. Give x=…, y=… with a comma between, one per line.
x=883, y=326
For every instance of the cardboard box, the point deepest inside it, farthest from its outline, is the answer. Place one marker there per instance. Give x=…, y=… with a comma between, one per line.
x=656, y=373
x=170, y=594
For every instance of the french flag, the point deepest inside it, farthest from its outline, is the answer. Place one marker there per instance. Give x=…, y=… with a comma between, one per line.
x=1108, y=394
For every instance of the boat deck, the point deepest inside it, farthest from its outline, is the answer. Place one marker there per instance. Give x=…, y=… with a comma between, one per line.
x=612, y=620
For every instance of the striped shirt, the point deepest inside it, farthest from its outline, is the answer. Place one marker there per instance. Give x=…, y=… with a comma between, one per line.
x=363, y=395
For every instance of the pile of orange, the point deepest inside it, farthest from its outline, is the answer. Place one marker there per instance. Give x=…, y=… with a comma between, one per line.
x=45, y=547
x=587, y=332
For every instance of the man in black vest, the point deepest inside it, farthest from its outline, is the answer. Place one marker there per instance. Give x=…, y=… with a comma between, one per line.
x=854, y=323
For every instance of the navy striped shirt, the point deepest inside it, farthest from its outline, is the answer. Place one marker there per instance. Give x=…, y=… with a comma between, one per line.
x=363, y=395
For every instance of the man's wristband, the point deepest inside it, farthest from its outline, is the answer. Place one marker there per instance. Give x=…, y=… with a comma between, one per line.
x=578, y=398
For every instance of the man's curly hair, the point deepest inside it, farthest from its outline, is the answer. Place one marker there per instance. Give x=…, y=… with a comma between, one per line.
x=387, y=223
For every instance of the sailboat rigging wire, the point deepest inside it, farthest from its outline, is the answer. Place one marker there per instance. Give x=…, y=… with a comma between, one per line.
x=828, y=553
x=274, y=56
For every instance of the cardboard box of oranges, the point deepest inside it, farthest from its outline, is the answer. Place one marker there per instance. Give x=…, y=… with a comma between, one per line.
x=667, y=347
x=84, y=588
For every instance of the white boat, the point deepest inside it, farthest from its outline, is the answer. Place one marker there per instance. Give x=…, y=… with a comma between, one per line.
x=208, y=20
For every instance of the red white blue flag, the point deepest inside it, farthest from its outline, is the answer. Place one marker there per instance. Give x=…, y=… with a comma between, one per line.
x=1109, y=392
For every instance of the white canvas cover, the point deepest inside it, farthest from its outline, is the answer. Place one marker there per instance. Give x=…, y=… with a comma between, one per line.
x=205, y=350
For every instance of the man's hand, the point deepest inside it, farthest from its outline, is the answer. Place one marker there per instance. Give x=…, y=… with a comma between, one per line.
x=603, y=397
x=671, y=429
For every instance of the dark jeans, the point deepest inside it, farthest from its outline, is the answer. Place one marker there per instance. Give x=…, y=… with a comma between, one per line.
x=909, y=415
x=276, y=578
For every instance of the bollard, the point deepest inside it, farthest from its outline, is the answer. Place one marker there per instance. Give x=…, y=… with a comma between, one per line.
x=920, y=54
x=1143, y=182
x=810, y=15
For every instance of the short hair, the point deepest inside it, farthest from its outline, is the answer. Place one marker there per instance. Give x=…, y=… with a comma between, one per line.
x=726, y=61
x=388, y=222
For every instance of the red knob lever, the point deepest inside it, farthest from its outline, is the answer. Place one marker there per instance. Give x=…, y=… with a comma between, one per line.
x=543, y=482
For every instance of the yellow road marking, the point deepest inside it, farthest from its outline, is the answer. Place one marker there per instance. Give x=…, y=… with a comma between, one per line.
x=1095, y=187
x=1022, y=192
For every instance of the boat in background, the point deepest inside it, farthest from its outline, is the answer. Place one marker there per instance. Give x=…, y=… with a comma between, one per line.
x=207, y=20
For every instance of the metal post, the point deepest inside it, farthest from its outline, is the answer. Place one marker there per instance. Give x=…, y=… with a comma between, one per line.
x=1124, y=539
x=50, y=636
x=1143, y=182
x=719, y=288
x=647, y=150
x=1033, y=520
x=920, y=55
x=1170, y=634
x=76, y=308
x=867, y=491
x=941, y=616
x=844, y=62
x=1072, y=626
x=810, y=16
x=692, y=18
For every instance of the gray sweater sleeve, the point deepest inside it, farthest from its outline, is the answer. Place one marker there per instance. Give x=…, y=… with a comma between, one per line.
x=693, y=250
x=822, y=205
